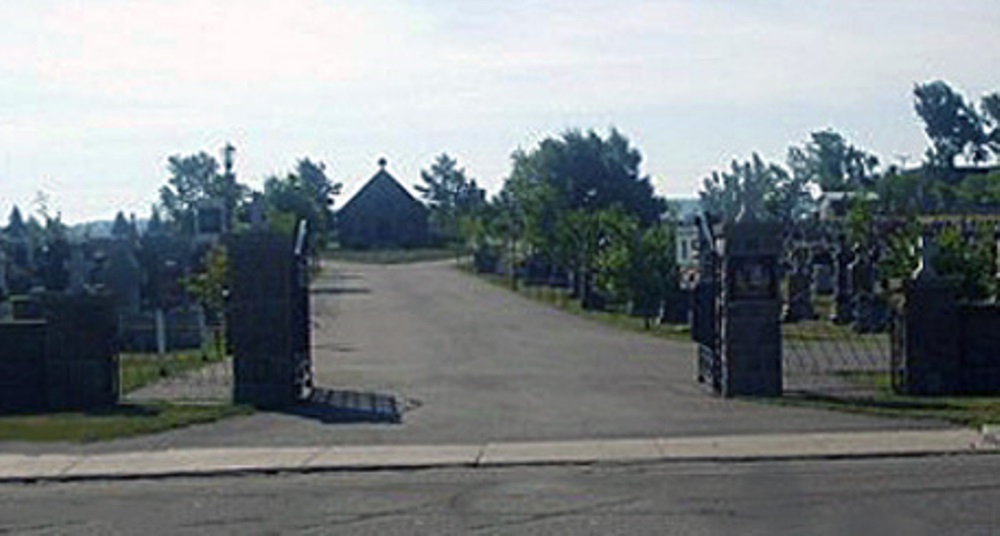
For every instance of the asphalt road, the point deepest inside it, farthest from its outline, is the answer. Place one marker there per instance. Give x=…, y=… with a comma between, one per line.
x=479, y=364
x=948, y=495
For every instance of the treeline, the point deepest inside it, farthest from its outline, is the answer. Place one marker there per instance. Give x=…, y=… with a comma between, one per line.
x=574, y=211
x=305, y=193
x=886, y=208
x=953, y=176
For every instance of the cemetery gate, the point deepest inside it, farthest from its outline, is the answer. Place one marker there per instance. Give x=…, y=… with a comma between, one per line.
x=268, y=318
x=260, y=354
x=840, y=301
x=811, y=306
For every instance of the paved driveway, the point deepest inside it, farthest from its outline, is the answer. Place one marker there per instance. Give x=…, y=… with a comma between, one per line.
x=483, y=364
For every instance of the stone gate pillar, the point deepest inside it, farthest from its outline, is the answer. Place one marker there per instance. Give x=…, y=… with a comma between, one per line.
x=751, y=309
x=268, y=318
x=931, y=345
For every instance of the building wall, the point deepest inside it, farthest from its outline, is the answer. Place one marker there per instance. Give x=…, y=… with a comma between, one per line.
x=383, y=215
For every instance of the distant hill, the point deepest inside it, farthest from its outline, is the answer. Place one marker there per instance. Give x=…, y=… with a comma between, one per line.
x=90, y=229
x=97, y=229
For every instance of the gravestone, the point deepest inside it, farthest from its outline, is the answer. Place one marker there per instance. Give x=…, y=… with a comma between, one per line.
x=79, y=270
x=843, y=298
x=862, y=273
x=4, y=290
x=54, y=266
x=823, y=273
x=799, y=304
x=119, y=273
x=257, y=212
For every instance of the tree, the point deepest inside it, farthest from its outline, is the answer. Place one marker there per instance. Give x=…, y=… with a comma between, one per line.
x=783, y=197
x=15, y=223
x=195, y=178
x=967, y=256
x=832, y=164
x=991, y=118
x=952, y=125
x=121, y=228
x=654, y=274
x=208, y=286
x=313, y=179
x=306, y=194
x=573, y=175
x=454, y=198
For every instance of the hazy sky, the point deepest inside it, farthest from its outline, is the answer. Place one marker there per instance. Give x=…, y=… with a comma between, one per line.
x=97, y=94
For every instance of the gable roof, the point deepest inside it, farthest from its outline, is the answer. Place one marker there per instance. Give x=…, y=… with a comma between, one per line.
x=385, y=182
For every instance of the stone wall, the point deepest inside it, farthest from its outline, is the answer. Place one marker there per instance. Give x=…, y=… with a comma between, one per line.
x=22, y=365
x=949, y=348
x=980, y=348
x=66, y=360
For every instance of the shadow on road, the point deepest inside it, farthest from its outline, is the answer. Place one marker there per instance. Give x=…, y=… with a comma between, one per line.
x=339, y=290
x=331, y=406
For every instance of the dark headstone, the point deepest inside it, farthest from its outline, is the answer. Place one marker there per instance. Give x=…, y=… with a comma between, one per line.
x=843, y=296
x=862, y=271
x=799, y=303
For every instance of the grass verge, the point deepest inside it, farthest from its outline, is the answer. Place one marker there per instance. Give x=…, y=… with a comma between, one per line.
x=123, y=420
x=139, y=370
x=389, y=256
x=559, y=298
x=966, y=411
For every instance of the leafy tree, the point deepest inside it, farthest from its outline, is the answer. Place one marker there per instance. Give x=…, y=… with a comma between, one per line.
x=313, y=179
x=455, y=200
x=208, y=287
x=829, y=162
x=900, y=192
x=952, y=125
x=195, y=178
x=783, y=196
x=616, y=253
x=654, y=276
x=967, y=258
x=307, y=194
x=577, y=174
x=991, y=118
x=978, y=190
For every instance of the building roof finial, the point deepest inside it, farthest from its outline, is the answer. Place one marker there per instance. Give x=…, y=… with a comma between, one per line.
x=382, y=162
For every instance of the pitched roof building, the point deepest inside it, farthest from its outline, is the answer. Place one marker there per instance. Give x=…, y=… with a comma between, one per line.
x=382, y=215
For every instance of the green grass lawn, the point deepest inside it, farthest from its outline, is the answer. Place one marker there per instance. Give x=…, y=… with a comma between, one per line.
x=389, y=256
x=139, y=370
x=123, y=420
x=966, y=411
x=560, y=299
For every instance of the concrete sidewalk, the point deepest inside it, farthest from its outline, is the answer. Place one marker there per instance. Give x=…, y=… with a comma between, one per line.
x=234, y=461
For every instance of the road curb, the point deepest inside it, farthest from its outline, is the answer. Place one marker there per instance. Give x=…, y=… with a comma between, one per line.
x=234, y=462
